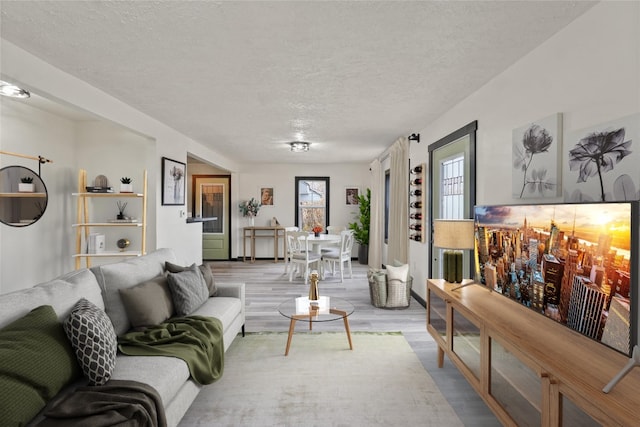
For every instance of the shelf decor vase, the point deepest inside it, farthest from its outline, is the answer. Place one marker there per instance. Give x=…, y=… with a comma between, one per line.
x=25, y=188
x=253, y=221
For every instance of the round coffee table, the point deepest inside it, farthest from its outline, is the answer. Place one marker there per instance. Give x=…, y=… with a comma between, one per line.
x=326, y=309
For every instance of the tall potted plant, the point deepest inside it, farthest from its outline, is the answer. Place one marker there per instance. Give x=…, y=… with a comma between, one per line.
x=361, y=227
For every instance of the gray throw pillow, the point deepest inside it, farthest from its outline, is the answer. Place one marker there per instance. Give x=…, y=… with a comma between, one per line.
x=148, y=303
x=207, y=275
x=187, y=290
x=94, y=340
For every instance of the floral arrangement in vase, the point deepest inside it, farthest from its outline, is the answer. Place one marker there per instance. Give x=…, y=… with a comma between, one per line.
x=317, y=230
x=250, y=209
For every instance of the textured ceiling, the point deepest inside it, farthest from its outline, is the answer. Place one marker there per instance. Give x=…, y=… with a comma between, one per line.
x=246, y=77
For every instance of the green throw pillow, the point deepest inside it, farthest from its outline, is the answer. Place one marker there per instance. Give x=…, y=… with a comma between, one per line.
x=36, y=361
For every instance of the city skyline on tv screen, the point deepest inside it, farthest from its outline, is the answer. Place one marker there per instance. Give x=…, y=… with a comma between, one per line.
x=569, y=262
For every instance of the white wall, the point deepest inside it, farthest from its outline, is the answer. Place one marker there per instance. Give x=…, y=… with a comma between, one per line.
x=589, y=71
x=33, y=254
x=282, y=178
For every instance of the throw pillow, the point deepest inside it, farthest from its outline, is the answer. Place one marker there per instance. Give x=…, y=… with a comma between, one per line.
x=36, y=362
x=148, y=303
x=94, y=340
x=188, y=290
x=397, y=286
x=207, y=275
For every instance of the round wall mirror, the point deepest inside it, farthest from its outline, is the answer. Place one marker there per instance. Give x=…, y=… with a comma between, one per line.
x=23, y=196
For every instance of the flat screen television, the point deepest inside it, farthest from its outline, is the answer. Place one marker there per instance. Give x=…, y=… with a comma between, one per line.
x=574, y=263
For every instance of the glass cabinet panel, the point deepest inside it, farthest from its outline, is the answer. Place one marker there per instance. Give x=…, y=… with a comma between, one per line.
x=515, y=386
x=466, y=342
x=573, y=416
x=437, y=314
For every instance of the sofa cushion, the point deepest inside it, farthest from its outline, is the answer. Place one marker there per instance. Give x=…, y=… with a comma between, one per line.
x=36, y=361
x=60, y=293
x=148, y=303
x=94, y=341
x=125, y=274
x=188, y=290
x=225, y=309
x=207, y=275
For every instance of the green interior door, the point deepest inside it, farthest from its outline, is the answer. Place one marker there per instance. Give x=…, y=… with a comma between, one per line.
x=212, y=201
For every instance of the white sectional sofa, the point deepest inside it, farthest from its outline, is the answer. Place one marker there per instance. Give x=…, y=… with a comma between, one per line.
x=169, y=376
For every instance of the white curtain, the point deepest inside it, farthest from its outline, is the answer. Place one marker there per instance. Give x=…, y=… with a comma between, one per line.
x=376, y=226
x=398, y=242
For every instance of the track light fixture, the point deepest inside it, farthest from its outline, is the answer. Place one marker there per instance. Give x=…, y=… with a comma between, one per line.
x=299, y=146
x=415, y=137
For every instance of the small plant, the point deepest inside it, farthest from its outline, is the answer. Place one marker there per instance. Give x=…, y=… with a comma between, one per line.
x=125, y=180
x=317, y=229
x=26, y=180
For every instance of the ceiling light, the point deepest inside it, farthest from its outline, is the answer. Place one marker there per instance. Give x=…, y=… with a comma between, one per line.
x=8, y=89
x=299, y=146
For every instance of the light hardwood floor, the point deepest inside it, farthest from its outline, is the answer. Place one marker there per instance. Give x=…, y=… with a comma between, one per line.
x=267, y=286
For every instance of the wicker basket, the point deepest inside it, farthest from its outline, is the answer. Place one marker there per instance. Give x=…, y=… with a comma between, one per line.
x=388, y=295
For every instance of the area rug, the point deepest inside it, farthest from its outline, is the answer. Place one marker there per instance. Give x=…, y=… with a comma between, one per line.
x=321, y=383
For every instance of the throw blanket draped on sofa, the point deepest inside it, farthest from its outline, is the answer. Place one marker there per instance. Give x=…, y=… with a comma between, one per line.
x=116, y=403
x=195, y=339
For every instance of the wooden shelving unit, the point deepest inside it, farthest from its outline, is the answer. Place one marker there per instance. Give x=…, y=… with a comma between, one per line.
x=530, y=370
x=83, y=224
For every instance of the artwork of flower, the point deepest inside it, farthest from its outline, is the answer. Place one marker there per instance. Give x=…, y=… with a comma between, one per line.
x=536, y=150
x=602, y=163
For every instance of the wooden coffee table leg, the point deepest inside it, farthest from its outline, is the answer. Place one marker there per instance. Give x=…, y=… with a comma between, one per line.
x=346, y=324
x=292, y=326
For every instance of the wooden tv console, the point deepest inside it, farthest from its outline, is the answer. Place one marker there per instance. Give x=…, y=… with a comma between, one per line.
x=529, y=369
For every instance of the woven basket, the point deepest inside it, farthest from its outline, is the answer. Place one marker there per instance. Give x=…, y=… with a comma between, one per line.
x=388, y=295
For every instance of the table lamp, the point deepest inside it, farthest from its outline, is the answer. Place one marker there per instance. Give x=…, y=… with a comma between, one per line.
x=453, y=235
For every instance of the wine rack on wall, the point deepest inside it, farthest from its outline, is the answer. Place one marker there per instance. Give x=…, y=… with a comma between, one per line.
x=417, y=189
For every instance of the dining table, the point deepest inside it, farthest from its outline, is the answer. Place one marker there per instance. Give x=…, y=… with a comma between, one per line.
x=317, y=242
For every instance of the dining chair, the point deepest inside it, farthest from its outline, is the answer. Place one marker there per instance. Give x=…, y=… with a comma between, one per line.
x=334, y=229
x=341, y=255
x=287, y=252
x=301, y=254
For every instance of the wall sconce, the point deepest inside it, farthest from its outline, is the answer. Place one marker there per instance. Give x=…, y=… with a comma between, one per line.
x=13, y=91
x=414, y=137
x=299, y=146
x=453, y=235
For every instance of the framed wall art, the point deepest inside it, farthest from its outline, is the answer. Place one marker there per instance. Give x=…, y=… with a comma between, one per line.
x=536, y=149
x=266, y=196
x=351, y=195
x=173, y=182
x=600, y=163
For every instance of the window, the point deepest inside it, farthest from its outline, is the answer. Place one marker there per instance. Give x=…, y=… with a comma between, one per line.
x=312, y=202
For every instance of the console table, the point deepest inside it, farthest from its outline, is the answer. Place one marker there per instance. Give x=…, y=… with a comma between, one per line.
x=255, y=232
x=529, y=369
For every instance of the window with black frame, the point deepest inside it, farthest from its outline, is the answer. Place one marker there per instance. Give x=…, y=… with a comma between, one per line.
x=312, y=203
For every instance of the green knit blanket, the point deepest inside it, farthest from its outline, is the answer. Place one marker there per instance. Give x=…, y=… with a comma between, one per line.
x=195, y=339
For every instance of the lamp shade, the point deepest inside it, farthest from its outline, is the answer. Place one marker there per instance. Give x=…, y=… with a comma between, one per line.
x=453, y=233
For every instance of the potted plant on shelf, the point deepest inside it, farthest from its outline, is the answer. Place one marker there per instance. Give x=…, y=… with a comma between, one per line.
x=125, y=185
x=121, y=207
x=361, y=227
x=26, y=184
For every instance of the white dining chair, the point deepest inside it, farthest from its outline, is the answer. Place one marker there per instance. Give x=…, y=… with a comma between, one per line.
x=334, y=229
x=341, y=255
x=301, y=255
x=287, y=252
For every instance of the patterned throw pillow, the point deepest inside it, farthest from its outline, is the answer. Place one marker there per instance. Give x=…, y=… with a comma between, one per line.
x=207, y=275
x=94, y=340
x=188, y=290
